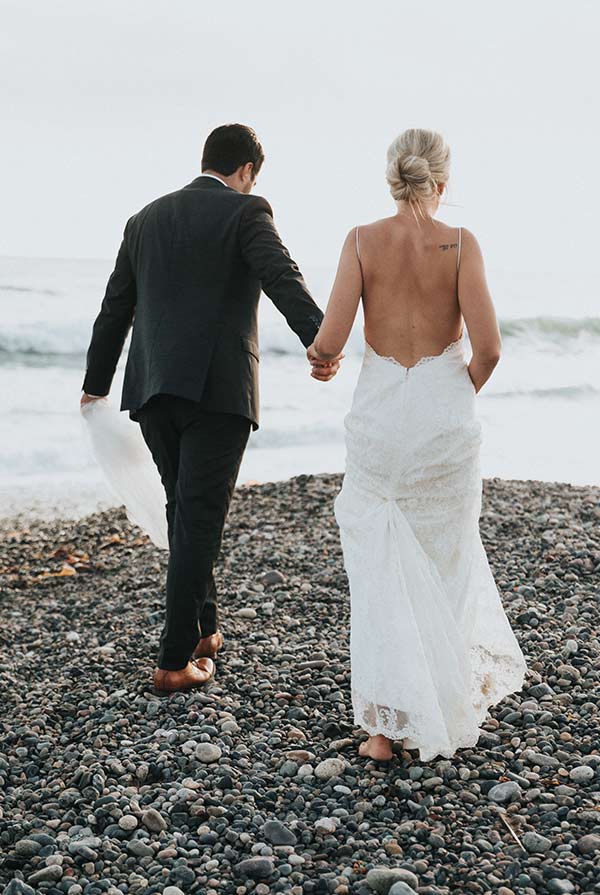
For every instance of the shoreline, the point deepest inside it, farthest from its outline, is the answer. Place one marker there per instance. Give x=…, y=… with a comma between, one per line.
x=50, y=512
x=223, y=790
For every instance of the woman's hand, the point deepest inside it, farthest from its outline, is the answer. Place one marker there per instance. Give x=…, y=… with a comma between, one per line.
x=322, y=369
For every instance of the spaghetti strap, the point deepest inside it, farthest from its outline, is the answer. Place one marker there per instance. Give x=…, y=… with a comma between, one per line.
x=357, y=248
x=459, y=245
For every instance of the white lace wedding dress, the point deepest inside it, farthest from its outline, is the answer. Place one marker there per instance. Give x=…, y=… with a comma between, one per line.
x=431, y=647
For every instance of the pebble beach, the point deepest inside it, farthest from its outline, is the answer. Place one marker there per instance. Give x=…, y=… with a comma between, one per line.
x=253, y=783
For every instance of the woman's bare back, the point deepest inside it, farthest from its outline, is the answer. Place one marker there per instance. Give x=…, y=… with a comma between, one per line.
x=415, y=293
x=410, y=286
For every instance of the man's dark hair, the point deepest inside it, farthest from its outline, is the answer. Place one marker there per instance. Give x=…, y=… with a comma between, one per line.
x=230, y=146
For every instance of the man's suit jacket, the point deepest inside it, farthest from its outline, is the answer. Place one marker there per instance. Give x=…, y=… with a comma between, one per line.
x=188, y=276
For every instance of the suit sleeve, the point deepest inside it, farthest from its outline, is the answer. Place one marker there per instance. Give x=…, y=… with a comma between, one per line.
x=111, y=325
x=280, y=276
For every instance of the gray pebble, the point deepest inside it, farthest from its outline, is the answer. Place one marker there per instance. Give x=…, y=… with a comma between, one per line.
x=560, y=886
x=153, y=820
x=18, y=887
x=46, y=875
x=588, y=844
x=582, y=774
x=401, y=888
x=27, y=847
x=330, y=767
x=255, y=868
x=274, y=831
x=208, y=752
x=502, y=793
x=534, y=842
x=140, y=849
x=380, y=879
x=271, y=578
x=247, y=612
x=128, y=822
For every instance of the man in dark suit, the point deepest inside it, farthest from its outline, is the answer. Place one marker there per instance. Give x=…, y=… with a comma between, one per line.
x=188, y=277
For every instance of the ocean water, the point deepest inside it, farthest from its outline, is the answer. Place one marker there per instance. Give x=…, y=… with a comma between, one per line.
x=540, y=412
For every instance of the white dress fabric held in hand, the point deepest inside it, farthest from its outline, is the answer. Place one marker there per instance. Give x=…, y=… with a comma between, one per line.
x=122, y=454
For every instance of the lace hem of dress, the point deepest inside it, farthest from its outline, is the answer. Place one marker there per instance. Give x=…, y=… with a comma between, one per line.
x=422, y=360
x=489, y=687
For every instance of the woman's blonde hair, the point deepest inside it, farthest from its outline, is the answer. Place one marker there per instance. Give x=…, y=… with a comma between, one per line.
x=418, y=161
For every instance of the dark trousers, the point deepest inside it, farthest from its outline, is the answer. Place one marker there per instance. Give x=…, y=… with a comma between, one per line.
x=198, y=455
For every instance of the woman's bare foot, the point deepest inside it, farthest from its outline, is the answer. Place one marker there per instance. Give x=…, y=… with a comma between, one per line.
x=378, y=747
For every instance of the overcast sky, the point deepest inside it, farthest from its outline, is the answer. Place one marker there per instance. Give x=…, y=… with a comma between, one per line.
x=106, y=105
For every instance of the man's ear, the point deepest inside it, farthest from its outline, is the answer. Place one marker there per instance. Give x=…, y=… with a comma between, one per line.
x=248, y=170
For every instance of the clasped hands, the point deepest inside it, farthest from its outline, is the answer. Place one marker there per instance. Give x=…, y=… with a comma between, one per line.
x=322, y=368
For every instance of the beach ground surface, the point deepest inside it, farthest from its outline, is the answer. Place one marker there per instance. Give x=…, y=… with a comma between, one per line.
x=253, y=783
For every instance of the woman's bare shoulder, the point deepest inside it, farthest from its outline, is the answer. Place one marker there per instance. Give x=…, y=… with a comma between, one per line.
x=378, y=224
x=470, y=242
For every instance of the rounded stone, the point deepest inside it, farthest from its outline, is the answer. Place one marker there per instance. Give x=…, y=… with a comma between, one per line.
x=326, y=824
x=128, y=822
x=330, y=767
x=230, y=726
x=255, y=868
x=401, y=888
x=276, y=833
x=153, y=820
x=208, y=752
x=588, y=844
x=27, y=848
x=582, y=774
x=247, y=612
x=502, y=793
x=272, y=577
x=534, y=842
x=46, y=875
x=381, y=879
x=560, y=887
x=18, y=887
x=139, y=848
x=184, y=875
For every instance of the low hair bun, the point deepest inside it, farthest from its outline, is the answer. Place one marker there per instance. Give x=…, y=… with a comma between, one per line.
x=418, y=161
x=414, y=169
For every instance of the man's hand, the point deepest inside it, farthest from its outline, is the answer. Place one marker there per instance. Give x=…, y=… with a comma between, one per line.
x=321, y=369
x=87, y=399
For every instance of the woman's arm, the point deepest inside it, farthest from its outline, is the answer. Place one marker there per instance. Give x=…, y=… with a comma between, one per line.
x=478, y=311
x=341, y=307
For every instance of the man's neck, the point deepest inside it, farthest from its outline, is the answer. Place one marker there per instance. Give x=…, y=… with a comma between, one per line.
x=224, y=178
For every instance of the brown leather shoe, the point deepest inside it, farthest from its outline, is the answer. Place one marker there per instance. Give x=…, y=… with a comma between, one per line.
x=195, y=674
x=208, y=646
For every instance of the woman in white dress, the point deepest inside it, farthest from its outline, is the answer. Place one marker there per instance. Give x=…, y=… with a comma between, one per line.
x=431, y=647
